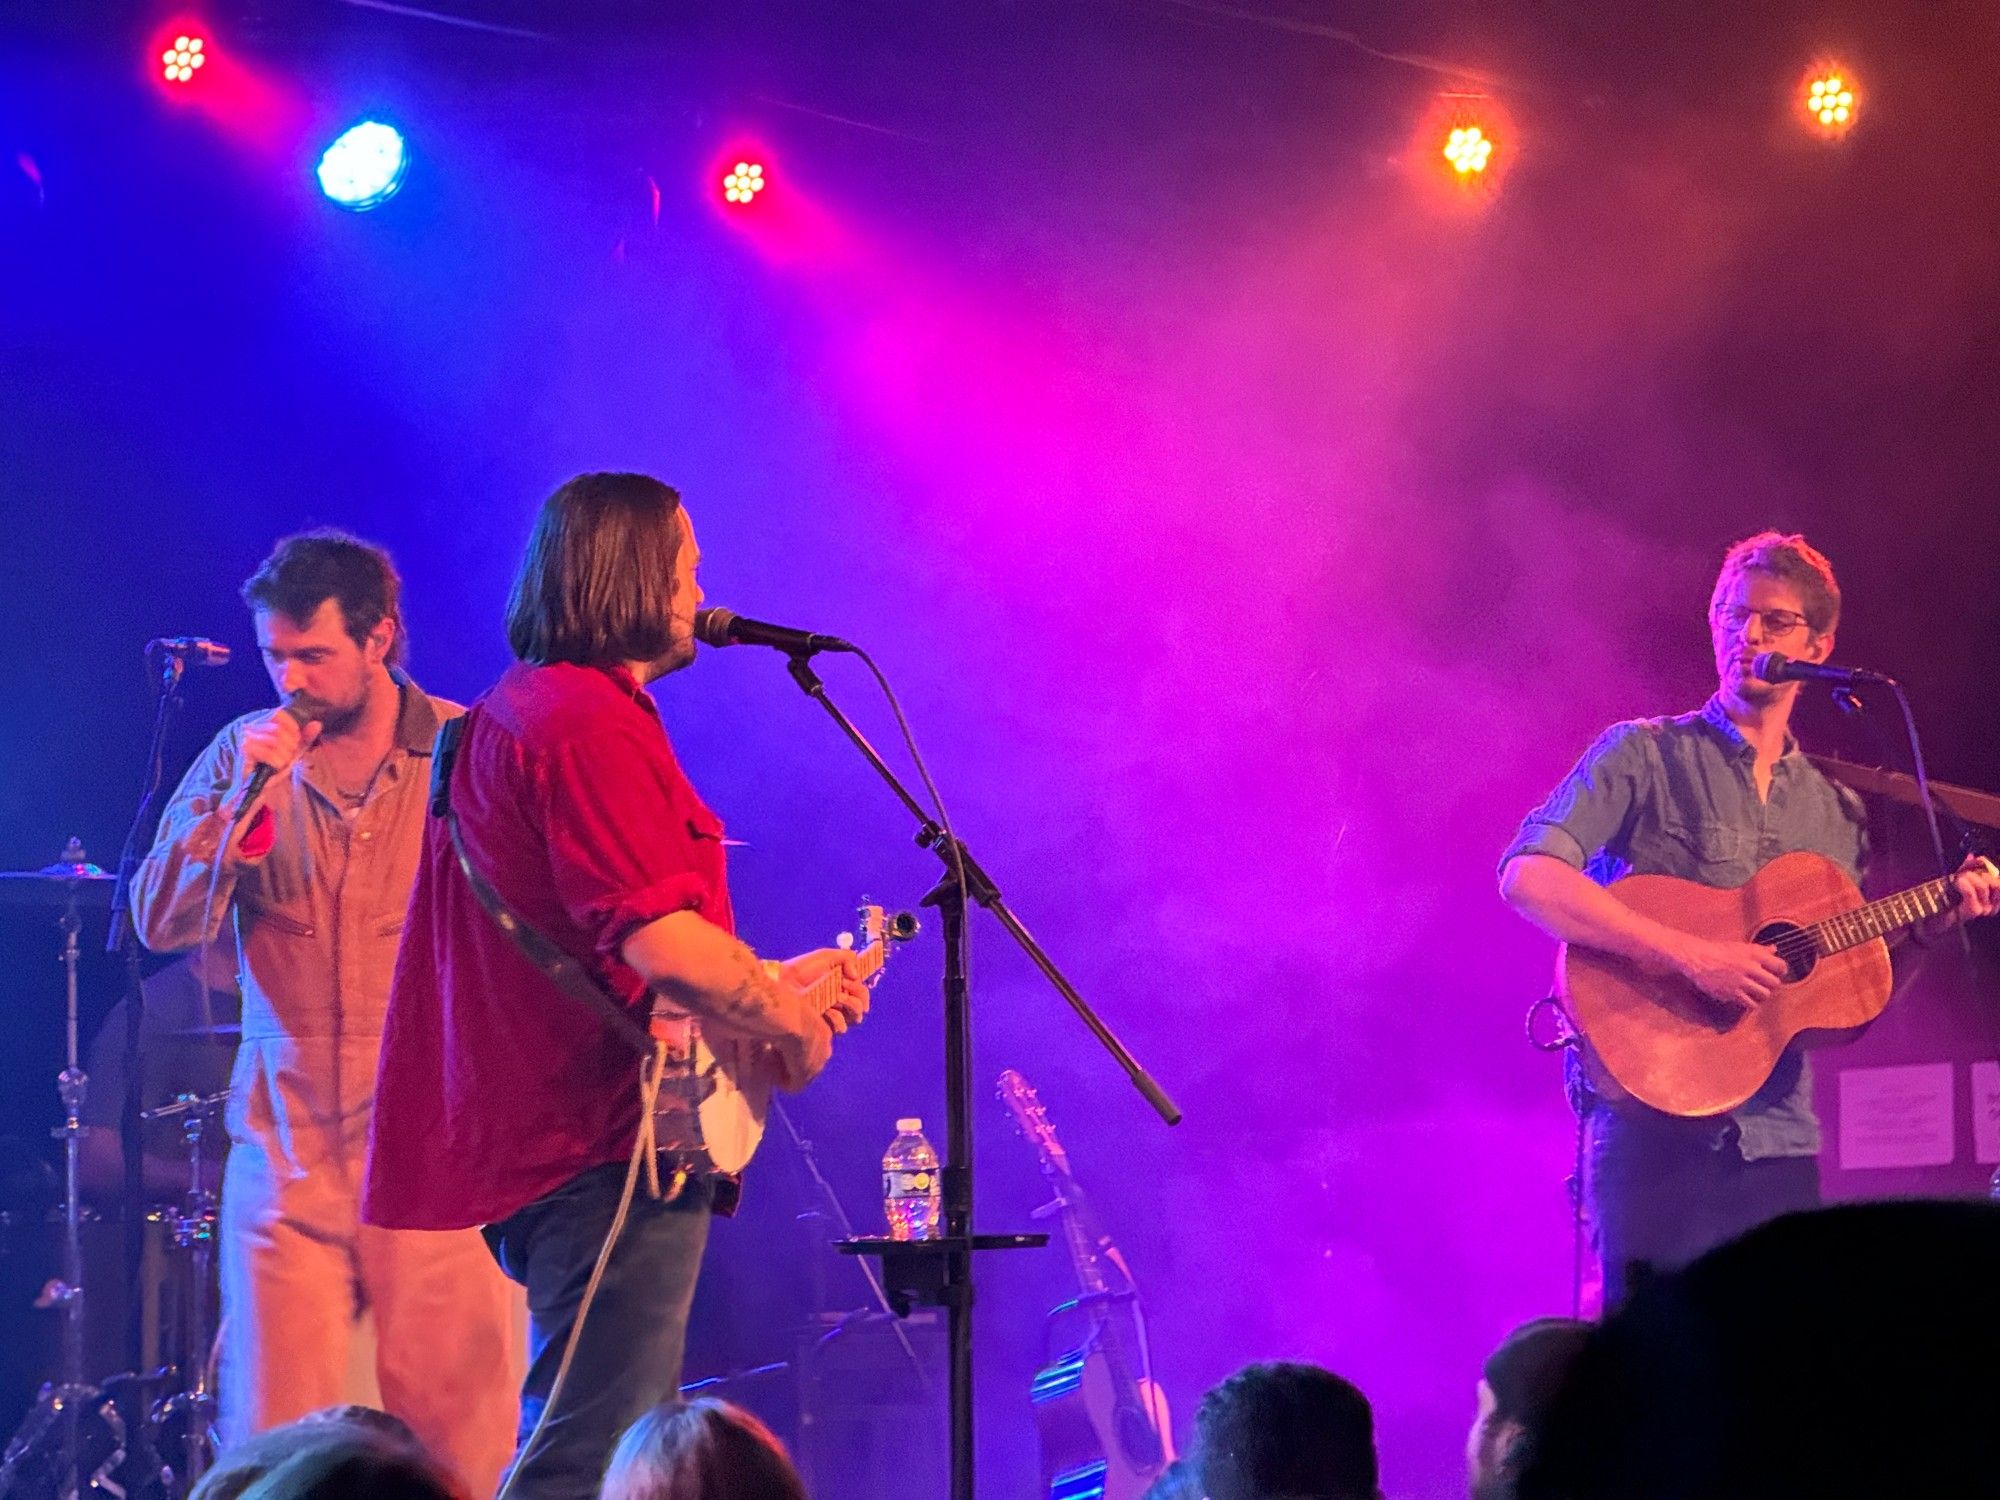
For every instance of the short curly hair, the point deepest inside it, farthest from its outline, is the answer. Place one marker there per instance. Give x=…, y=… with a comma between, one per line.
x=1792, y=559
x=306, y=570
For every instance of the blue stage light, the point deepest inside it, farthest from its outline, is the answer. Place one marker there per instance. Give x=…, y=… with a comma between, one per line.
x=365, y=166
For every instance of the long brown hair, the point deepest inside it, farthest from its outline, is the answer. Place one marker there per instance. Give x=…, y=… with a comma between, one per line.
x=700, y=1450
x=597, y=583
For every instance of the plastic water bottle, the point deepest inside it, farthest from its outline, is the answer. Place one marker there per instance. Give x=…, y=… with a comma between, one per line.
x=912, y=1197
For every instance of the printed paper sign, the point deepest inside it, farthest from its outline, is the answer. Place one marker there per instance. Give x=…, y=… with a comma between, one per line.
x=1986, y=1113
x=1897, y=1117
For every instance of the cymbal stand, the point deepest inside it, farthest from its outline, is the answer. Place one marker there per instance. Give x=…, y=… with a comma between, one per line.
x=72, y=1087
x=194, y=1233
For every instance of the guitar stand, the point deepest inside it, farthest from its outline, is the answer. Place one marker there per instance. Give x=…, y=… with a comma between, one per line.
x=938, y=1272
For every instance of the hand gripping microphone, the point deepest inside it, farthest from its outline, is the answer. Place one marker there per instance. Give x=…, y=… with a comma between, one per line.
x=301, y=710
x=723, y=627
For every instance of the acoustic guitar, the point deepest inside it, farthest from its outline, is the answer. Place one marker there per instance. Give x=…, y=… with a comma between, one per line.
x=1101, y=1422
x=1667, y=1044
x=730, y=1080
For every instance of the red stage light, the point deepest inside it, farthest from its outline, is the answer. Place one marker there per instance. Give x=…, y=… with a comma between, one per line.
x=183, y=57
x=744, y=183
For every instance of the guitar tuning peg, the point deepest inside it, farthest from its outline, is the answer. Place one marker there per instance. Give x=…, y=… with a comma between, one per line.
x=845, y=940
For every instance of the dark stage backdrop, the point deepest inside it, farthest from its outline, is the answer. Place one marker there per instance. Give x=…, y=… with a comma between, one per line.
x=1253, y=531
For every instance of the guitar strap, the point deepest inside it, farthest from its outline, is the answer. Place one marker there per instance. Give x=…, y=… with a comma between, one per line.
x=548, y=956
x=564, y=972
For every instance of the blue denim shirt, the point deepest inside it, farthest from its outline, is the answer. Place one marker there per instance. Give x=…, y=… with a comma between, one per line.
x=1678, y=797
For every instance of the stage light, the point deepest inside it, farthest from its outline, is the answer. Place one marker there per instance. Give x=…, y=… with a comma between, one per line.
x=744, y=183
x=183, y=57
x=364, y=167
x=1468, y=149
x=1830, y=100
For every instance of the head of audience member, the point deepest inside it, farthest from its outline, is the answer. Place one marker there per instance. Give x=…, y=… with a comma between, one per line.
x=1179, y=1480
x=353, y=1466
x=333, y=1454
x=1286, y=1430
x=1844, y=1352
x=700, y=1450
x=1516, y=1389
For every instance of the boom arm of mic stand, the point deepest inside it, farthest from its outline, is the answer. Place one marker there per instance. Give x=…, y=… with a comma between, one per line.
x=980, y=888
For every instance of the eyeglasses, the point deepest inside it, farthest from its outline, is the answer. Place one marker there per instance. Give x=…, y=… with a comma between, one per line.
x=1776, y=622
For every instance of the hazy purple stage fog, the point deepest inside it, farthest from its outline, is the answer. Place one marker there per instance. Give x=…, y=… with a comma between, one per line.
x=1255, y=523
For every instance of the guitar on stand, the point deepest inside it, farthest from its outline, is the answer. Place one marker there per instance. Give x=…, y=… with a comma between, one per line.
x=1101, y=1422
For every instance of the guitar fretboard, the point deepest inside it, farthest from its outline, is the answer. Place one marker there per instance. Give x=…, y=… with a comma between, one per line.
x=827, y=988
x=1880, y=918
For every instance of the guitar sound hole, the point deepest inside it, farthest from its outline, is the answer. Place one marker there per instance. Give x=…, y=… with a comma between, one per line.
x=1794, y=944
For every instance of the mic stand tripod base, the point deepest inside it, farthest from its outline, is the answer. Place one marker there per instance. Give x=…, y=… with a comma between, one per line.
x=927, y=1272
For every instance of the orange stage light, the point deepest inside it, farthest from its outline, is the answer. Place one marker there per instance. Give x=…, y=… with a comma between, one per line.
x=1830, y=100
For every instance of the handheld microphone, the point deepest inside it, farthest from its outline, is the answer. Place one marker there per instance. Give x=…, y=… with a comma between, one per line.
x=301, y=709
x=724, y=627
x=193, y=650
x=1775, y=666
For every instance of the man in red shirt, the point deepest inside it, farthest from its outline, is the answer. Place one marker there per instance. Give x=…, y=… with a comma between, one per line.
x=502, y=1101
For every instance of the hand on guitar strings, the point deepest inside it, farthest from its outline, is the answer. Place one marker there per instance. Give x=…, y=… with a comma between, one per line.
x=1734, y=975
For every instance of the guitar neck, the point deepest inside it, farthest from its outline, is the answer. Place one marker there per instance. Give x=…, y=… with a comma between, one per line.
x=1085, y=1243
x=826, y=989
x=1880, y=918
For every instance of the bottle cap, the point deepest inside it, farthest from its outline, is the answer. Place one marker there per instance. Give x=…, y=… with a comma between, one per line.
x=911, y=1126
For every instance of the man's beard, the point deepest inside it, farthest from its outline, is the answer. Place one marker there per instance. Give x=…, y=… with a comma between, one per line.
x=336, y=719
x=680, y=649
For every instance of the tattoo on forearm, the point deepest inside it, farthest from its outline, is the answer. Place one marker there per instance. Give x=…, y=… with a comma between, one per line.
x=751, y=1000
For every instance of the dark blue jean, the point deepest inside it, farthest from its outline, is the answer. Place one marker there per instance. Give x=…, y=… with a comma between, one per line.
x=629, y=1357
x=1665, y=1191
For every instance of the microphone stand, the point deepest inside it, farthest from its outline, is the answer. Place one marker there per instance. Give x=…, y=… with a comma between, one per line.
x=122, y=939
x=939, y=1271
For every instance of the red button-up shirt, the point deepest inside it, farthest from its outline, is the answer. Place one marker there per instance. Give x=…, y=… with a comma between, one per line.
x=496, y=1087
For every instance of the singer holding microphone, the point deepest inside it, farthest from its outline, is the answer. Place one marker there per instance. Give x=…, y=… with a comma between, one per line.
x=302, y=826
x=1711, y=796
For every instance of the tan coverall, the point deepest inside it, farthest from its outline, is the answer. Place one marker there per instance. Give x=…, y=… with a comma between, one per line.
x=317, y=922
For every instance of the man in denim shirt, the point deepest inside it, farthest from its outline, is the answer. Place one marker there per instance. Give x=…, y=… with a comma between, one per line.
x=1711, y=796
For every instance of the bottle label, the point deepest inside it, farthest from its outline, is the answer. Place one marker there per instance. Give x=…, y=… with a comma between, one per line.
x=918, y=1184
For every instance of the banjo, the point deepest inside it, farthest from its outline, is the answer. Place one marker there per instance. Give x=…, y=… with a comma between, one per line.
x=728, y=1081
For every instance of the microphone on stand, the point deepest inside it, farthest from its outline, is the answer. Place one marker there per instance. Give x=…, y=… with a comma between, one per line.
x=724, y=627
x=1775, y=666
x=192, y=650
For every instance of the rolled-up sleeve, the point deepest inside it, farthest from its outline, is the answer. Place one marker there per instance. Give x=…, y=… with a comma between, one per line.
x=1593, y=807
x=626, y=847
